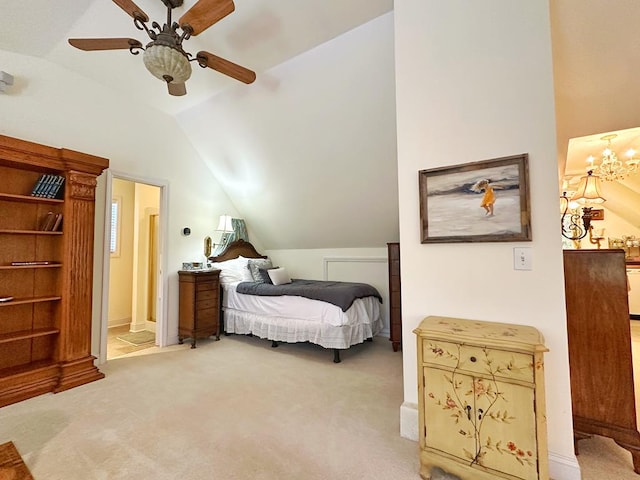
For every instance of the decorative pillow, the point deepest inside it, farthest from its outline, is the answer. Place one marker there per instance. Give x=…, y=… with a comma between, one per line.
x=279, y=276
x=254, y=264
x=264, y=276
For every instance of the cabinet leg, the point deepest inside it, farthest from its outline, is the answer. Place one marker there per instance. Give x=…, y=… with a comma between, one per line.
x=193, y=343
x=180, y=340
x=635, y=454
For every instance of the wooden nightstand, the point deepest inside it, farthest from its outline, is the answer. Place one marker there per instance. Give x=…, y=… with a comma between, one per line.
x=199, y=305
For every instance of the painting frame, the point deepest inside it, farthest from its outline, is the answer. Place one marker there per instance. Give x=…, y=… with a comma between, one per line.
x=449, y=196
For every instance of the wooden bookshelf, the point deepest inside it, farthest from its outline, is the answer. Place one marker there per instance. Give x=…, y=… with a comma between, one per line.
x=45, y=330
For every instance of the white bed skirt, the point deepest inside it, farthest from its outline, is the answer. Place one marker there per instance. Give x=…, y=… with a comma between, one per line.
x=364, y=321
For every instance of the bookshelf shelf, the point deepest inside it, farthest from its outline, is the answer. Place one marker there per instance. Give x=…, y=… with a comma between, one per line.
x=27, y=334
x=28, y=199
x=29, y=232
x=22, y=301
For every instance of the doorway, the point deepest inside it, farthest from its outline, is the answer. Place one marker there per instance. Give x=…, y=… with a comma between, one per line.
x=134, y=288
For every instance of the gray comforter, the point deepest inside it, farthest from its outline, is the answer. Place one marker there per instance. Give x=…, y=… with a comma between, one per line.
x=341, y=294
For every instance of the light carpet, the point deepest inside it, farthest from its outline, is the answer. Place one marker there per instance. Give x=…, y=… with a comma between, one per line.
x=233, y=409
x=238, y=409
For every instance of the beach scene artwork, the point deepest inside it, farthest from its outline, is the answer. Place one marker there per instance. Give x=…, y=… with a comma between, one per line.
x=479, y=204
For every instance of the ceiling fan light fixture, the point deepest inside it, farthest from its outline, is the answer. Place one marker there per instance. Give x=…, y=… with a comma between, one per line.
x=167, y=62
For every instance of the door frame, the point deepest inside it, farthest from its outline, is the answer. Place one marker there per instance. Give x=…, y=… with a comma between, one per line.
x=162, y=281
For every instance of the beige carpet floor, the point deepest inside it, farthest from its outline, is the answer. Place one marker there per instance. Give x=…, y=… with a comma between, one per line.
x=238, y=409
x=233, y=409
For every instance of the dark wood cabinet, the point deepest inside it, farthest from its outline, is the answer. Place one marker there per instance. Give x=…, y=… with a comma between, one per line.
x=45, y=274
x=199, y=305
x=599, y=334
x=395, y=304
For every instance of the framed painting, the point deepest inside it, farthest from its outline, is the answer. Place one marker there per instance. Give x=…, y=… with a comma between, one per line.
x=486, y=201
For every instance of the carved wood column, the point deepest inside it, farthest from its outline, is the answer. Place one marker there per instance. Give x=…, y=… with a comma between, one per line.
x=76, y=361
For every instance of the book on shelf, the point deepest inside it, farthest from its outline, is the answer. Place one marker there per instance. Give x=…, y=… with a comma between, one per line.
x=48, y=186
x=31, y=262
x=46, y=221
x=53, y=189
x=51, y=222
x=57, y=224
x=37, y=188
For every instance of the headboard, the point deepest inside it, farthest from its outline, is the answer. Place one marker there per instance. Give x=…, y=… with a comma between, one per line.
x=235, y=249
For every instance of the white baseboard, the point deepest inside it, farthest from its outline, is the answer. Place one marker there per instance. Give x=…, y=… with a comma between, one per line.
x=560, y=466
x=563, y=468
x=409, y=421
x=118, y=322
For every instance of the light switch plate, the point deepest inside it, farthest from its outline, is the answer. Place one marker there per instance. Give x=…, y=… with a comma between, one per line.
x=522, y=258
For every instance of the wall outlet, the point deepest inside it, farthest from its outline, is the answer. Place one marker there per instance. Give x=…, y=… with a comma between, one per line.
x=522, y=258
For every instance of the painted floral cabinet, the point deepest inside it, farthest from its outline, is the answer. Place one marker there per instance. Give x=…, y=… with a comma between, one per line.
x=481, y=399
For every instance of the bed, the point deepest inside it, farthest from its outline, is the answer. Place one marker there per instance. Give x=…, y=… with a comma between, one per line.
x=355, y=317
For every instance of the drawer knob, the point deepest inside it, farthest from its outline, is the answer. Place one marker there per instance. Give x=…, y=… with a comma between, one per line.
x=473, y=359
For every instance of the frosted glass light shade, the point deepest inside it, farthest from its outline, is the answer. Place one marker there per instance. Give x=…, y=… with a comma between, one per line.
x=163, y=61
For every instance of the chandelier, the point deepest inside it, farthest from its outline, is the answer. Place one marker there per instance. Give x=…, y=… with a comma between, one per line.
x=611, y=167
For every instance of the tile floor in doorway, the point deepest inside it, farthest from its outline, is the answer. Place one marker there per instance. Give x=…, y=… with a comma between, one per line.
x=117, y=348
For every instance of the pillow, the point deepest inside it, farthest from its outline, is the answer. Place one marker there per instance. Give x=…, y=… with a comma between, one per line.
x=254, y=264
x=264, y=276
x=234, y=270
x=279, y=276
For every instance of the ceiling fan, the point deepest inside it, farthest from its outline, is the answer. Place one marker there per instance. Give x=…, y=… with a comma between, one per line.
x=164, y=56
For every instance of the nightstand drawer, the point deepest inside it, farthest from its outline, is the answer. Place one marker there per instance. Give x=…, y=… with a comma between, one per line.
x=209, y=315
x=200, y=286
x=206, y=295
x=478, y=360
x=205, y=304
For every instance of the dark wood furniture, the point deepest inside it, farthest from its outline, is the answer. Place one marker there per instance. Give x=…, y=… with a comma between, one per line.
x=45, y=331
x=599, y=334
x=199, y=305
x=395, y=303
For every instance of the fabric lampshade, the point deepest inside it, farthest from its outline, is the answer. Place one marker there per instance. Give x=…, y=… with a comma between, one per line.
x=588, y=191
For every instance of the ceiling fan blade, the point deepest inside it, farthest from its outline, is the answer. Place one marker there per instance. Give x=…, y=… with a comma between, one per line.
x=89, y=44
x=204, y=14
x=177, y=89
x=132, y=9
x=225, y=66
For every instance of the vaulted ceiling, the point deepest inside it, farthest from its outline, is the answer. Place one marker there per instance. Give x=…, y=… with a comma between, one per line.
x=596, y=67
x=258, y=35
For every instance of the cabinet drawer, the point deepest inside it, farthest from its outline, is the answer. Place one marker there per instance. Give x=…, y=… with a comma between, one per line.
x=206, y=304
x=206, y=295
x=200, y=286
x=207, y=315
x=479, y=360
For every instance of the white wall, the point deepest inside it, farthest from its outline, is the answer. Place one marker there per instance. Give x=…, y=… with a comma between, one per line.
x=308, y=152
x=52, y=106
x=474, y=81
